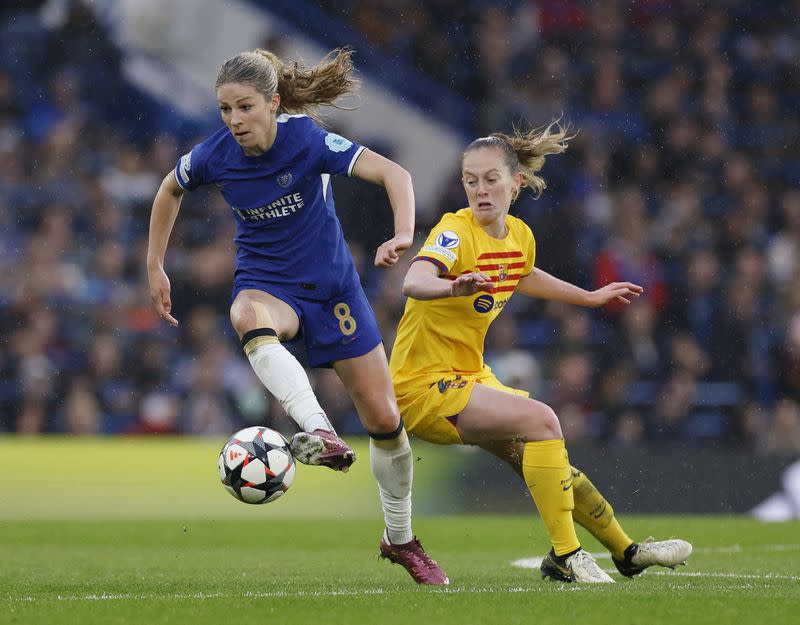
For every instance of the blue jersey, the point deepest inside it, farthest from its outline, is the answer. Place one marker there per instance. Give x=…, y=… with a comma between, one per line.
x=288, y=234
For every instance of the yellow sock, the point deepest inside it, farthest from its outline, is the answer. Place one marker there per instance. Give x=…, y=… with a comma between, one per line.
x=545, y=466
x=595, y=514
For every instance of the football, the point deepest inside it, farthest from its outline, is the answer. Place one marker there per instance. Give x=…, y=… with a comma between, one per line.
x=256, y=465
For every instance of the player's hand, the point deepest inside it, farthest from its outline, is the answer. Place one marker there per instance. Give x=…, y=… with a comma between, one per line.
x=622, y=292
x=159, y=293
x=471, y=283
x=390, y=252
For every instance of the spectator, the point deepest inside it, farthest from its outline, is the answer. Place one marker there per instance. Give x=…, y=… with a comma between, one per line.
x=683, y=177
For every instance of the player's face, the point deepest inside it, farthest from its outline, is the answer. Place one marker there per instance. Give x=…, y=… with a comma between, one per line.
x=489, y=184
x=249, y=116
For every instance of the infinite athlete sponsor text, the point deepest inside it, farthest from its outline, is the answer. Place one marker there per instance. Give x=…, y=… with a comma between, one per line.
x=282, y=207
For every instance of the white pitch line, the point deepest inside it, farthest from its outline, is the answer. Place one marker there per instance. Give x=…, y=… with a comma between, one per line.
x=523, y=563
x=531, y=563
x=740, y=549
x=793, y=578
x=281, y=594
x=535, y=562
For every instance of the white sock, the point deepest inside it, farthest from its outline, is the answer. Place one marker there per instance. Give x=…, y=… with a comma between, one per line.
x=283, y=376
x=392, y=466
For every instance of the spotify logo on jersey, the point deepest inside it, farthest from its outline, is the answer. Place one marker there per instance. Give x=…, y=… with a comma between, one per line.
x=483, y=303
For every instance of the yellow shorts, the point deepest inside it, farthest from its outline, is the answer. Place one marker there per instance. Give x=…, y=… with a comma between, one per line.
x=429, y=408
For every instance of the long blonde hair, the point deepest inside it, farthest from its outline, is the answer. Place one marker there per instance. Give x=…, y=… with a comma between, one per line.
x=302, y=89
x=524, y=151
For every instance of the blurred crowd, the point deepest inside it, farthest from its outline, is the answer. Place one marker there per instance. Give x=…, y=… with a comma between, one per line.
x=683, y=178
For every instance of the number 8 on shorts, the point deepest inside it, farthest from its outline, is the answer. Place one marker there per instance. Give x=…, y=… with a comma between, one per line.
x=346, y=323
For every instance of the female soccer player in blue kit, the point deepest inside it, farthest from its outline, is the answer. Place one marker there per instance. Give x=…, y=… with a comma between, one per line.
x=294, y=273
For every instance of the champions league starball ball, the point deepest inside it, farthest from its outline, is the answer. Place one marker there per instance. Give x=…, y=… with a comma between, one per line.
x=256, y=465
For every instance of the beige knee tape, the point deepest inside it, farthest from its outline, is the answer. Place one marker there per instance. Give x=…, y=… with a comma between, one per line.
x=263, y=320
x=263, y=317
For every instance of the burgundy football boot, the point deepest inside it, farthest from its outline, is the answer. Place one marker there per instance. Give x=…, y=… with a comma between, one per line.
x=322, y=448
x=419, y=564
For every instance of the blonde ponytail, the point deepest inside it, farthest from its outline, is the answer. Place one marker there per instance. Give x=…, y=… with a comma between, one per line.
x=525, y=151
x=302, y=89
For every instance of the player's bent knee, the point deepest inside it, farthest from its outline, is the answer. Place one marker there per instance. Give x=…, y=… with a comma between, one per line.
x=552, y=424
x=242, y=316
x=379, y=418
x=390, y=439
x=546, y=424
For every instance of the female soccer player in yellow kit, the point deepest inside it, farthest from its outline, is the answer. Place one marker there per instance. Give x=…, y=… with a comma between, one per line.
x=471, y=263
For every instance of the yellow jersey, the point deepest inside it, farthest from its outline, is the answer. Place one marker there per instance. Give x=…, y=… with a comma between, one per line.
x=446, y=335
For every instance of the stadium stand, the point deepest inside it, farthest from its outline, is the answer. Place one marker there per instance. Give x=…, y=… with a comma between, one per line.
x=684, y=178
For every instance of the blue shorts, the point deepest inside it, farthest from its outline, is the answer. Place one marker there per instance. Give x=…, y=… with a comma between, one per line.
x=336, y=329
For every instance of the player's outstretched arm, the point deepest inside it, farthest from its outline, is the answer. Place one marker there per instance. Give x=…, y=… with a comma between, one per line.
x=162, y=218
x=397, y=182
x=423, y=282
x=541, y=284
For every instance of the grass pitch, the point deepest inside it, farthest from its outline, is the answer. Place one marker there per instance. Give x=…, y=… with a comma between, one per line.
x=100, y=565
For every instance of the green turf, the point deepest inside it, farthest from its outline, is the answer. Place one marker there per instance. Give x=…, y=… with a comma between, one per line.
x=170, y=477
x=153, y=538
x=327, y=572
